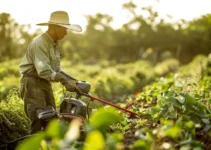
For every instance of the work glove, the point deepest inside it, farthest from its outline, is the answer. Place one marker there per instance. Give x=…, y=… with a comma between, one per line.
x=70, y=84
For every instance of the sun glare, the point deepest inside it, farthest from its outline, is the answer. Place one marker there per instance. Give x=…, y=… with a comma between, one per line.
x=33, y=12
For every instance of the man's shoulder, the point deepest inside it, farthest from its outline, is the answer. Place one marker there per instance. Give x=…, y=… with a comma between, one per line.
x=39, y=39
x=39, y=42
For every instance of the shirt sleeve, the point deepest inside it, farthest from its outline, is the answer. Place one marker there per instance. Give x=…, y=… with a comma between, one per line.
x=41, y=60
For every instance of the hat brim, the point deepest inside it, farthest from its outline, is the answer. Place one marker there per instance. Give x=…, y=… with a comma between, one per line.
x=73, y=27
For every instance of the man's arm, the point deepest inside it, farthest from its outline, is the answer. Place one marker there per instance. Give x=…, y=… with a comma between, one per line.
x=41, y=61
x=68, y=76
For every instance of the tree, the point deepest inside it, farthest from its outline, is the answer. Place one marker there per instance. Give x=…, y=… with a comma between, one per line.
x=13, y=37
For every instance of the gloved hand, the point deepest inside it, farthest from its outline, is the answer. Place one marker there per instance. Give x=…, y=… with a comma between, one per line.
x=71, y=86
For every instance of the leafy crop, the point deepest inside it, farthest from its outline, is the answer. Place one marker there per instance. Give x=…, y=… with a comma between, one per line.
x=175, y=111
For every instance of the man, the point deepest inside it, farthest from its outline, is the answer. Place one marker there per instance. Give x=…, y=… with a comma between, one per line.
x=41, y=65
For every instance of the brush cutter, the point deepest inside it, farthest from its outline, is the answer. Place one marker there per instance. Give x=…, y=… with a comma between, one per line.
x=76, y=107
x=71, y=108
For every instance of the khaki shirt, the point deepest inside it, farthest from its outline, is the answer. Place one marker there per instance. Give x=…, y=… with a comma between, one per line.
x=42, y=58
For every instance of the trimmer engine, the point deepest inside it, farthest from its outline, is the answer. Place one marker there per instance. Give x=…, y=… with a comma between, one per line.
x=73, y=108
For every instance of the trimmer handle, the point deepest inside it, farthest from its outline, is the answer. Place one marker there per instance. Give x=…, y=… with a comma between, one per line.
x=84, y=86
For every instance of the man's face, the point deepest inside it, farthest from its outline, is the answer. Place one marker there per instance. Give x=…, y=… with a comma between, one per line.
x=60, y=32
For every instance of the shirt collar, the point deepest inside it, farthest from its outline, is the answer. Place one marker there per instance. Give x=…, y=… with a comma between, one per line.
x=51, y=40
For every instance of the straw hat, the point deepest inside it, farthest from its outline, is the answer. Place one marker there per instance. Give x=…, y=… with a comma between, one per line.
x=61, y=18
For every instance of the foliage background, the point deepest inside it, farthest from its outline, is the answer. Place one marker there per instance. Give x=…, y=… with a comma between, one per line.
x=129, y=66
